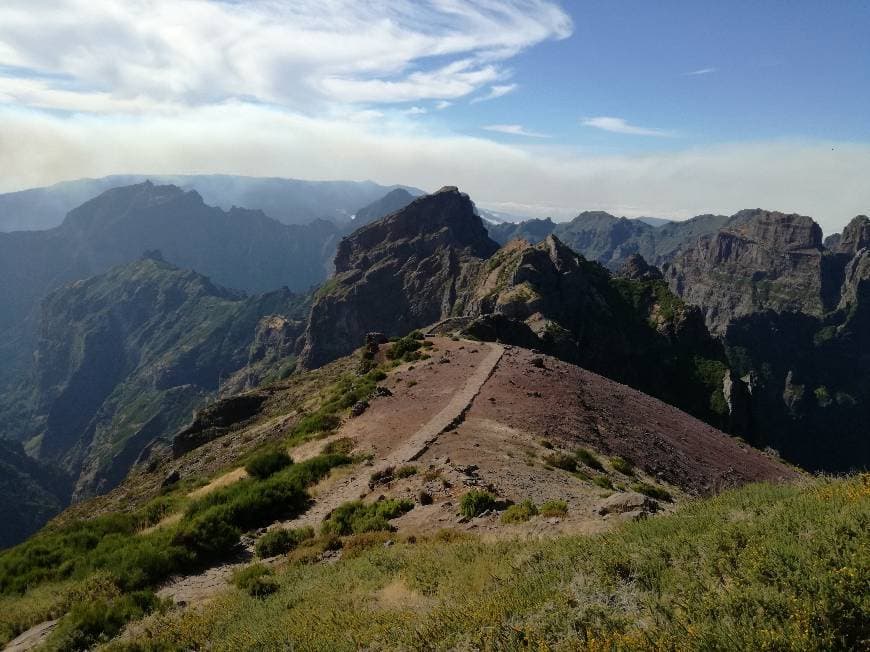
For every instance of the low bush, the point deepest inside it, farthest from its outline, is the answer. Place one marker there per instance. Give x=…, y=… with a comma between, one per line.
x=354, y=545
x=282, y=541
x=406, y=348
x=553, y=508
x=356, y=517
x=622, y=465
x=266, y=463
x=98, y=621
x=475, y=502
x=256, y=580
x=659, y=493
x=519, y=513
x=588, y=459
x=424, y=497
x=406, y=471
x=341, y=446
x=560, y=461
x=602, y=481
x=382, y=476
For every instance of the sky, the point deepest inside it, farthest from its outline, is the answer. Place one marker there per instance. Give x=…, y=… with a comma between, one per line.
x=533, y=107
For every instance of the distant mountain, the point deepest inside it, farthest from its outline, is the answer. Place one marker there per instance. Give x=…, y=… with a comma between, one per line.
x=290, y=201
x=239, y=248
x=390, y=203
x=124, y=358
x=610, y=240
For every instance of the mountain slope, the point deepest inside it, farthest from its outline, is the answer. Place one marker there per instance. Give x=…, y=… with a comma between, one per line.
x=123, y=358
x=291, y=201
x=390, y=203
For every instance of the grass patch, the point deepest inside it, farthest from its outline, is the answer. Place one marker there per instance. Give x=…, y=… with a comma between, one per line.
x=406, y=471
x=553, y=508
x=519, y=513
x=475, y=502
x=356, y=517
x=264, y=464
x=622, y=465
x=560, y=461
x=588, y=459
x=603, y=481
x=256, y=580
x=282, y=541
x=652, y=491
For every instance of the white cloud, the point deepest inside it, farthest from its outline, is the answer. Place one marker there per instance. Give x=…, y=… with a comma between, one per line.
x=821, y=179
x=620, y=126
x=701, y=71
x=415, y=110
x=515, y=130
x=495, y=92
x=106, y=56
x=443, y=104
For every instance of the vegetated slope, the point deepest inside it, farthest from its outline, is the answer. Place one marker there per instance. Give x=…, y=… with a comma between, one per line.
x=763, y=567
x=489, y=450
x=123, y=358
x=31, y=492
x=793, y=315
x=433, y=261
x=291, y=201
x=610, y=240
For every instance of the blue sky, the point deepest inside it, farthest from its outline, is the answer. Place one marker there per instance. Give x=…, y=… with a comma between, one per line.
x=765, y=70
x=534, y=107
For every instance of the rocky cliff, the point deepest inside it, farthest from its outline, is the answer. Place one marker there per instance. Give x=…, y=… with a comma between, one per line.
x=402, y=272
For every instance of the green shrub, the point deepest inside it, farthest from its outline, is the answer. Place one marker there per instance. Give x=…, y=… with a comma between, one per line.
x=315, y=423
x=476, y=502
x=282, y=541
x=622, y=465
x=256, y=580
x=588, y=459
x=268, y=462
x=356, y=517
x=560, y=461
x=405, y=348
x=98, y=621
x=208, y=535
x=603, y=482
x=554, y=508
x=424, y=497
x=406, y=471
x=519, y=513
x=652, y=491
x=156, y=510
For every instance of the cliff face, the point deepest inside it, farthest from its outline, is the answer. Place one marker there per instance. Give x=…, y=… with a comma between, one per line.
x=402, y=272
x=760, y=260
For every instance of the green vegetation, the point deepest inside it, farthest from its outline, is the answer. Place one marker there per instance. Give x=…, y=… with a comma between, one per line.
x=475, y=502
x=603, y=482
x=282, y=541
x=588, y=459
x=406, y=349
x=622, y=465
x=356, y=517
x=560, y=461
x=554, y=508
x=62, y=564
x=406, y=471
x=766, y=567
x=267, y=462
x=256, y=580
x=519, y=513
x=652, y=491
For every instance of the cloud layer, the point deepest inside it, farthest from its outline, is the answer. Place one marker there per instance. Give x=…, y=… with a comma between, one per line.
x=620, y=126
x=825, y=180
x=147, y=55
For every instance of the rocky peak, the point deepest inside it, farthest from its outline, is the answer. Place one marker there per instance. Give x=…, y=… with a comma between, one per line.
x=779, y=231
x=637, y=269
x=856, y=236
x=393, y=201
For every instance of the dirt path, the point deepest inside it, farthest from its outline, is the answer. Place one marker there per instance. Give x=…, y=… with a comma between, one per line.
x=196, y=588
x=355, y=487
x=32, y=638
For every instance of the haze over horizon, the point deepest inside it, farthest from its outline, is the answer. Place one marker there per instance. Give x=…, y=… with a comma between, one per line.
x=533, y=107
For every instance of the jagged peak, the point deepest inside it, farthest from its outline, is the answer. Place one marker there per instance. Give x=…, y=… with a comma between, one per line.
x=784, y=231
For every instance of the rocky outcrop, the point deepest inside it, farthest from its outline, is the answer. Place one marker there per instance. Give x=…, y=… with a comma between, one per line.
x=637, y=269
x=855, y=236
x=761, y=260
x=215, y=420
x=405, y=271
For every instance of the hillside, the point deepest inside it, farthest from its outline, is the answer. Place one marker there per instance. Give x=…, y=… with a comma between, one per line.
x=124, y=358
x=440, y=420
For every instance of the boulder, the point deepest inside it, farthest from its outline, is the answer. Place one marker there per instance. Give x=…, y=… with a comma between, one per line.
x=620, y=503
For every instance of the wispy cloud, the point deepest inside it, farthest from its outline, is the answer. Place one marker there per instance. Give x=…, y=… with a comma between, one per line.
x=415, y=110
x=302, y=55
x=620, y=126
x=496, y=91
x=699, y=72
x=442, y=104
x=515, y=130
